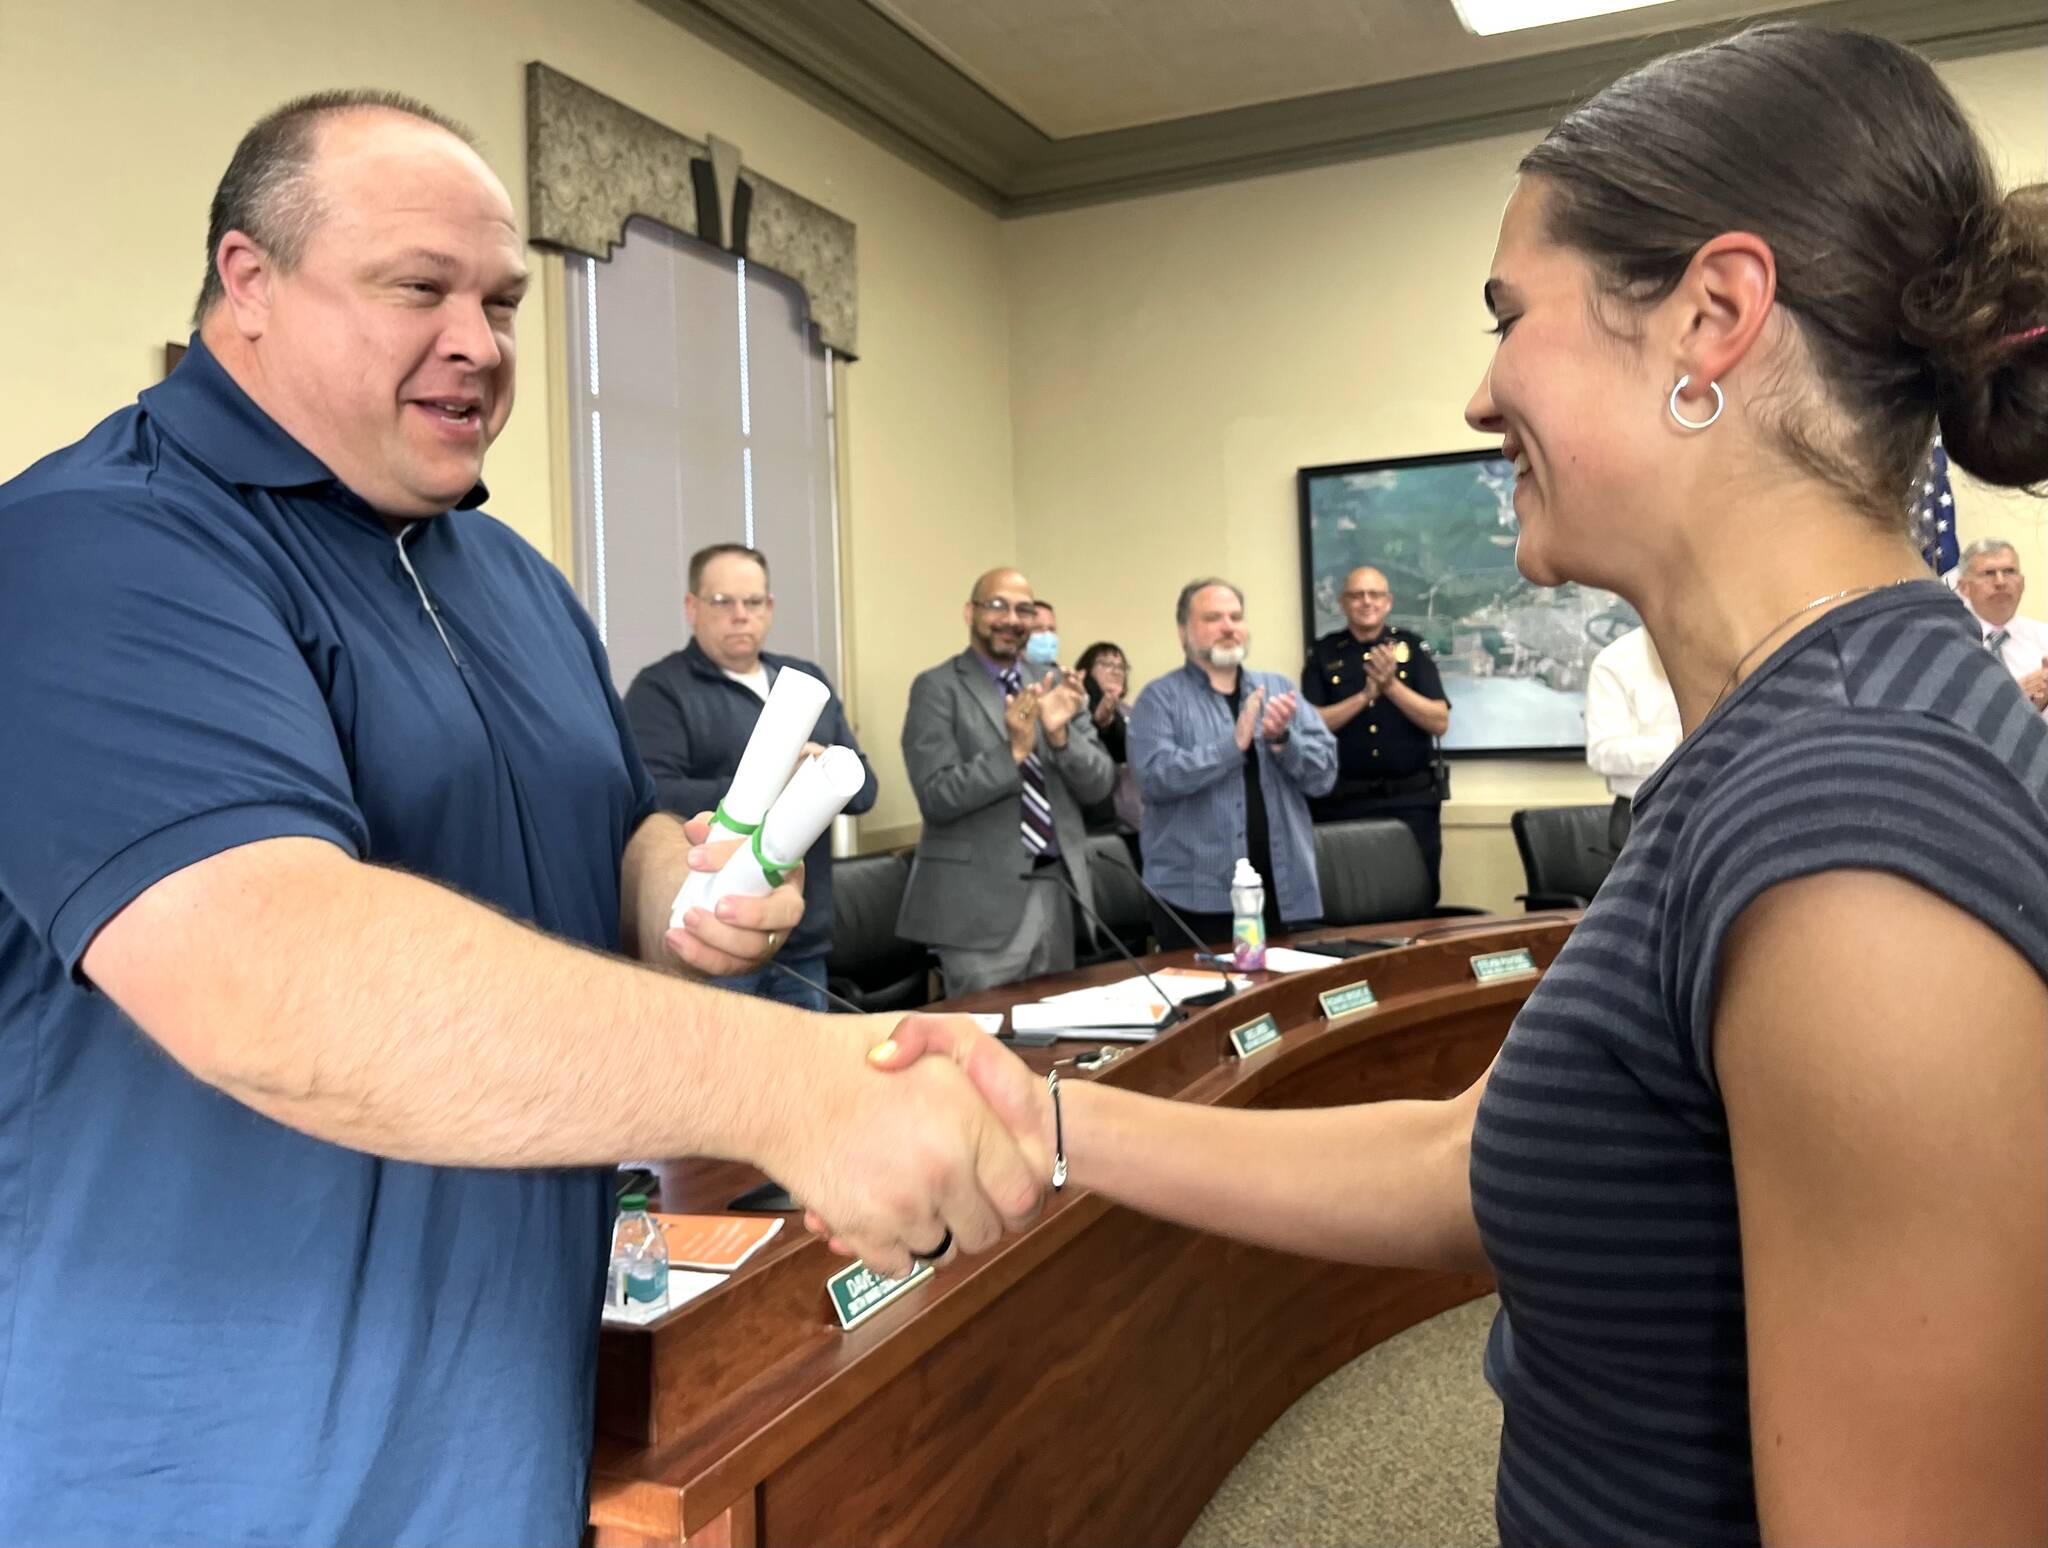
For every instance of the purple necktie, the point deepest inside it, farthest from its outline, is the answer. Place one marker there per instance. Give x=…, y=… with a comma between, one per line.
x=1037, y=823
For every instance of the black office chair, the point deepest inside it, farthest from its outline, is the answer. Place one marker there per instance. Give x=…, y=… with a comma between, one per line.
x=1118, y=899
x=1566, y=853
x=1373, y=870
x=870, y=964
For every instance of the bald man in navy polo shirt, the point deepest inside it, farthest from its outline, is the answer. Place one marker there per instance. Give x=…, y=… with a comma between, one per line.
x=322, y=833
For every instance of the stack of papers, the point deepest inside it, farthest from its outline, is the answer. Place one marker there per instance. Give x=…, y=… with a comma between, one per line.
x=1285, y=959
x=1128, y=1010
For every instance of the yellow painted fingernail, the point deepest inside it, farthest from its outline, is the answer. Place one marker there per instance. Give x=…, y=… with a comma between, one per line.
x=882, y=1052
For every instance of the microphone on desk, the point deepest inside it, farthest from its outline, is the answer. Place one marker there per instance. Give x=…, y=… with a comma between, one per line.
x=1201, y=946
x=1202, y=951
x=1174, y=1013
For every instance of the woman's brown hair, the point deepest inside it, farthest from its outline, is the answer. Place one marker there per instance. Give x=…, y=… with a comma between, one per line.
x=1913, y=284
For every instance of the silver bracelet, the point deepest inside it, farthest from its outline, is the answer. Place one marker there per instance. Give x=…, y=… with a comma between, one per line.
x=1059, y=1139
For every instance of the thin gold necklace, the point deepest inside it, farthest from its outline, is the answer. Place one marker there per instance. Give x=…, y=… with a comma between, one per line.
x=1805, y=607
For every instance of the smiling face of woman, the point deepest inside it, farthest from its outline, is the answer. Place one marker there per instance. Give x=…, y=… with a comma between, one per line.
x=1577, y=405
x=1110, y=671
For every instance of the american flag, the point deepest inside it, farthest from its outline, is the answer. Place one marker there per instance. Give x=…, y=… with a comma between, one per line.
x=1934, y=515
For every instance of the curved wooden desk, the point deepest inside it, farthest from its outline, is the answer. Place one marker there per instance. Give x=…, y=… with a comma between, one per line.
x=1092, y=1380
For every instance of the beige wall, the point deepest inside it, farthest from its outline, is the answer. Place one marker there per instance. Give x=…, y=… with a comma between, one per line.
x=1175, y=359
x=1160, y=367
x=117, y=119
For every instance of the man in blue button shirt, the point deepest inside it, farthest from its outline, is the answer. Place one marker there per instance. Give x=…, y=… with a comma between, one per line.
x=322, y=830
x=1227, y=758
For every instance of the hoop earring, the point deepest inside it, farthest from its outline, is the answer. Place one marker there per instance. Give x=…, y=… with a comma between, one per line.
x=1696, y=424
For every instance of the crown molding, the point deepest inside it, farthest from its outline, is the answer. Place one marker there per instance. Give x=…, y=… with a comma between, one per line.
x=852, y=61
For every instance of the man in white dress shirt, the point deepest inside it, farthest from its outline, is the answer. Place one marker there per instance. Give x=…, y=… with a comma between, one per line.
x=1989, y=579
x=1631, y=721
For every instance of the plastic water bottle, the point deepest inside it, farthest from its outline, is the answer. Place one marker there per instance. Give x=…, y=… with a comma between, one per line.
x=1247, y=919
x=639, y=1274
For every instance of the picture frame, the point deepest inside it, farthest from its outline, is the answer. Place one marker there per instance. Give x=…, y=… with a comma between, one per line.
x=1513, y=655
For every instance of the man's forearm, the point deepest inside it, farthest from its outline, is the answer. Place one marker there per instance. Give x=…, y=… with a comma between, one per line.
x=1432, y=715
x=383, y=1012
x=1167, y=771
x=656, y=865
x=1339, y=715
x=1084, y=763
x=948, y=792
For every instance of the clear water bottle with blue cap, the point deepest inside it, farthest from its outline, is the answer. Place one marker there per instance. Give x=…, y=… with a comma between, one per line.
x=639, y=1274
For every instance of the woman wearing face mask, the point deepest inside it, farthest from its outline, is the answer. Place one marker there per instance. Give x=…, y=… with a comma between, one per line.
x=1736, y=293
x=1106, y=674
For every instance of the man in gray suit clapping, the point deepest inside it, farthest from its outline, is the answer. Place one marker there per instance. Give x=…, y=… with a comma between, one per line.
x=1002, y=762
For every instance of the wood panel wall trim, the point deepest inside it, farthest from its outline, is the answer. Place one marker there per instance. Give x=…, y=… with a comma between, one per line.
x=857, y=64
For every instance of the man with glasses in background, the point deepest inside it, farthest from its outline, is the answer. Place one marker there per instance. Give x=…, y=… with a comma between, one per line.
x=692, y=712
x=1378, y=690
x=1989, y=579
x=1002, y=755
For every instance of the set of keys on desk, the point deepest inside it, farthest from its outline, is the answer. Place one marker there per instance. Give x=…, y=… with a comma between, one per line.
x=1089, y=1063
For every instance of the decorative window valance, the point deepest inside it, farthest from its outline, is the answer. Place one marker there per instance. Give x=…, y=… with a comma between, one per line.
x=592, y=164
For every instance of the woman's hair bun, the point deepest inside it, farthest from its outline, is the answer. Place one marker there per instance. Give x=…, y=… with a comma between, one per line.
x=1982, y=318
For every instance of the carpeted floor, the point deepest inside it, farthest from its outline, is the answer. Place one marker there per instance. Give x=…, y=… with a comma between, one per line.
x=1396, y=1448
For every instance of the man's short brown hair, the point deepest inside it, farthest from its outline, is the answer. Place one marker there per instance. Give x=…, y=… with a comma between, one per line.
x=267, y=191
x=704, y=556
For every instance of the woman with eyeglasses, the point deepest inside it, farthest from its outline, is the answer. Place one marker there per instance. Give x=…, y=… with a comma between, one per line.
x=1106, y=674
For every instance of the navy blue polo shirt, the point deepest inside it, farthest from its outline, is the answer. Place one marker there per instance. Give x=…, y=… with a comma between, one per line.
x=213, y=1328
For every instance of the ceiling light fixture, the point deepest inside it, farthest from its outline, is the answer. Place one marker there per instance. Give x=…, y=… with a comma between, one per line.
x=1486, y=17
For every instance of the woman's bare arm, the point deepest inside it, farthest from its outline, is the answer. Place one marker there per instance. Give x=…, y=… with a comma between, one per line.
x=1884, y=1061
x=1383, y=1182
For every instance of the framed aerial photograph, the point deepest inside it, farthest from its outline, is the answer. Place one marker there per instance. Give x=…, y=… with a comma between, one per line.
x=1513, y=655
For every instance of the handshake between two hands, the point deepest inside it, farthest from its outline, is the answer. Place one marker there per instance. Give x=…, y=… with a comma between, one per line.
x=928, y=1130
x=904, y=1132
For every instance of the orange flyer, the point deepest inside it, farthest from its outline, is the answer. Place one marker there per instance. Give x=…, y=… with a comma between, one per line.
x=720, y=1243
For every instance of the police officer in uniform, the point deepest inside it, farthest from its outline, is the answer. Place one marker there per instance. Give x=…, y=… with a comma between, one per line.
x=1378, y=691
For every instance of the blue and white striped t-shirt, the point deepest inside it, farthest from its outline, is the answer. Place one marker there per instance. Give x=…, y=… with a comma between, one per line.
x=1881, y=737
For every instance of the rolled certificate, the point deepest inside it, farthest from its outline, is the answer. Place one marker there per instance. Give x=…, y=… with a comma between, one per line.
x=815, y=794
x=787, y=720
